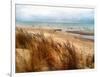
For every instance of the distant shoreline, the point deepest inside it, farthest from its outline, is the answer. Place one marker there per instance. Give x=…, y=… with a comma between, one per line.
x=81, y=33
x=63, y=26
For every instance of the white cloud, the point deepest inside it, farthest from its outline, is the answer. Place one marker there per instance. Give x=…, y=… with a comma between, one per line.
x=26, y=12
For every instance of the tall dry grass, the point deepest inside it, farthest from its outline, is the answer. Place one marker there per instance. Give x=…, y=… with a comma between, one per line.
x=35, y=52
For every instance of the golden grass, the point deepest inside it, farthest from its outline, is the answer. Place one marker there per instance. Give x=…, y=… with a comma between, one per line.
x=35, y=52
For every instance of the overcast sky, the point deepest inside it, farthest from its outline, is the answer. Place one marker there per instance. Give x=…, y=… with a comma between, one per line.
x=29, y=13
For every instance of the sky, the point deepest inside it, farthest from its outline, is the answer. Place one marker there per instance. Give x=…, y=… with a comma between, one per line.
x=29, y=13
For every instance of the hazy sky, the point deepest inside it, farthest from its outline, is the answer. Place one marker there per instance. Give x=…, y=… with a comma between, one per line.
x=29, y=13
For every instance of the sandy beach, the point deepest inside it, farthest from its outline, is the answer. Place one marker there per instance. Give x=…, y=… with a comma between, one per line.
x=84, y=49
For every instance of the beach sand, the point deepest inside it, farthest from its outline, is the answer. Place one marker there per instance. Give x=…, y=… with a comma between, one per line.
x=83, y=47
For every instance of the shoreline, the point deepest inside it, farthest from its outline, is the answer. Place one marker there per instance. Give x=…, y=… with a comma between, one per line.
x=81, y=34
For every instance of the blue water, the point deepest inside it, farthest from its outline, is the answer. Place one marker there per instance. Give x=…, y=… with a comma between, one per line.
x=64, y=26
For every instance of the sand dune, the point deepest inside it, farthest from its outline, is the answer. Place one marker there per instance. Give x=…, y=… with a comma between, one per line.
x=47, y=49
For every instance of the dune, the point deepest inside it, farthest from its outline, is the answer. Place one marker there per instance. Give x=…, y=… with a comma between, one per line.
x=47, y=50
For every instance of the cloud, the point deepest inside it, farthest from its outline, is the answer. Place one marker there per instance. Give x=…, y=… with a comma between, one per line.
x=30, y=13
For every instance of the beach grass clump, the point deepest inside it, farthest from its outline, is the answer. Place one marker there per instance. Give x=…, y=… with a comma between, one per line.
x=35, y=52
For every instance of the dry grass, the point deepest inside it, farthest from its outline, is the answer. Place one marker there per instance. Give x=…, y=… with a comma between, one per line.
x=35, y=52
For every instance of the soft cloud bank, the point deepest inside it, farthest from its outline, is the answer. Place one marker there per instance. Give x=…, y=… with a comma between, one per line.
x=29, y=13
